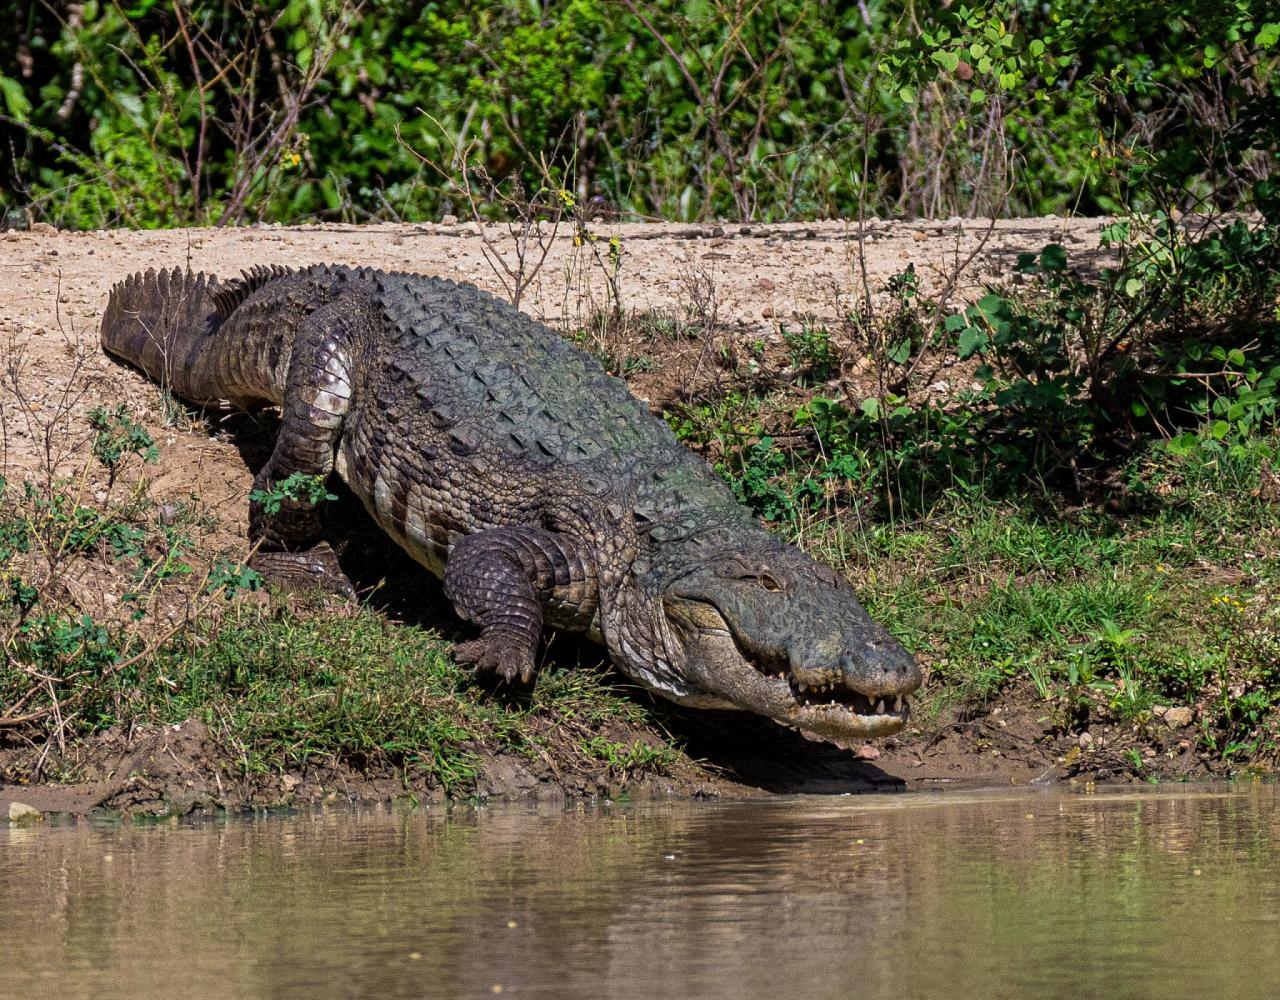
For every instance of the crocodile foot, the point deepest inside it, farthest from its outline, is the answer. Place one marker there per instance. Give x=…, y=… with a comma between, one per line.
x=315, y=568
x=507, y=657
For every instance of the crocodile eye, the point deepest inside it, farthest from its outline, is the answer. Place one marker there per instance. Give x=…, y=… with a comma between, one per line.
x=769, y=583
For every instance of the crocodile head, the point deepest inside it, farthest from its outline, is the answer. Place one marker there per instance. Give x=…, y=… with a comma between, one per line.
x=765, y=628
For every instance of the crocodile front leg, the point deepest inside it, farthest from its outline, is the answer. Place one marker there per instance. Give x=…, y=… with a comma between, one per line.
x=318, y=392
x=502, y=580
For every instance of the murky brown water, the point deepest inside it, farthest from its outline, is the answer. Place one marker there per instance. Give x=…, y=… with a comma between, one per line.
x=1045, y=895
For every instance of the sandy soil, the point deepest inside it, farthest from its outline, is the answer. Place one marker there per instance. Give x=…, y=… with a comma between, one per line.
x=54, y=286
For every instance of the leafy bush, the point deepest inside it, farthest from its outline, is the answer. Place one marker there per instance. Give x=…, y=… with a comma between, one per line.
x=156, y=114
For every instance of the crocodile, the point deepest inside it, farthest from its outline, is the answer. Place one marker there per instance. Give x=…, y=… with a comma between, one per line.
x=511, y=465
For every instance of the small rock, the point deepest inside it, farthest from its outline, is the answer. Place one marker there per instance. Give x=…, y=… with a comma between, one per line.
x=448, y=220
x=919, y=236
x=1176, y=718
x=867, y=752
x=767, y=312
x=766, y=283
x=289, y=782
x=1085, y=740
x=1159, y=710
x=20, y=812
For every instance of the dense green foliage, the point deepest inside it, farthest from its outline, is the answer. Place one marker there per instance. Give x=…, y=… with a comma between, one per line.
x=151, y=114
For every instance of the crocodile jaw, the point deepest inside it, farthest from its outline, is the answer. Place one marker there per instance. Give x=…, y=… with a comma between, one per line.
x=834, y=710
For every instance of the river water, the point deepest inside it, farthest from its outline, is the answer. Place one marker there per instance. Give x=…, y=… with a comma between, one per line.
x=1047, y=894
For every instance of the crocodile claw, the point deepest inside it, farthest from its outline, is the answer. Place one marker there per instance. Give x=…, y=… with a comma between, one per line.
x=507, y=658
x=315, y=568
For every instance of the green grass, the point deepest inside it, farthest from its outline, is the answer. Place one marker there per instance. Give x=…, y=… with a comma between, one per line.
x=281, y=684
x=1106, y=615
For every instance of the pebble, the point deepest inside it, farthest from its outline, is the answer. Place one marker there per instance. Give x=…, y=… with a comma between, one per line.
x=1176, y=718
x=20, y=812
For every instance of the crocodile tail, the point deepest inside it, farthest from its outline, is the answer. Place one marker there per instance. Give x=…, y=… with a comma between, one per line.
x=160, y=321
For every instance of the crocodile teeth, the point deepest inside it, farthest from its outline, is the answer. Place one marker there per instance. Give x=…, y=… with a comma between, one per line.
x=897, y=703
x=880, y=707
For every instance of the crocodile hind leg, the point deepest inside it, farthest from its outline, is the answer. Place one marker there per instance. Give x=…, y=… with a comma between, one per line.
x=502, y=580
x=318, y=394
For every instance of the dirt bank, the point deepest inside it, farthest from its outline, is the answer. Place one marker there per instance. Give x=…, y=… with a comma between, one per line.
x=755, y=281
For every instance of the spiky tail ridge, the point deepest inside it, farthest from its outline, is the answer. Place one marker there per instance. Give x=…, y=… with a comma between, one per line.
x=162, y=321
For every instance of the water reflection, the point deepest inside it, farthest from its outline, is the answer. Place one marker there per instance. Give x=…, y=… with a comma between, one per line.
x=1046, y=895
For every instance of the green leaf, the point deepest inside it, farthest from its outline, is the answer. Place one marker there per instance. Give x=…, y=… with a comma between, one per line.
x=1220, y=429
x=992, y=305
x=954, y=322
x=1132, y=287
x=1117, y=232
x=1053, y=257
x=15, y=100
x=908, y=95
x=871, y=407
x=977, y=96
x=972, y=340
x=1037, y=47
x=947, y=60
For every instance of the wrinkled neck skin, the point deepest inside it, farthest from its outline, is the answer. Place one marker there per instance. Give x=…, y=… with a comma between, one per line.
x=722, y=614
